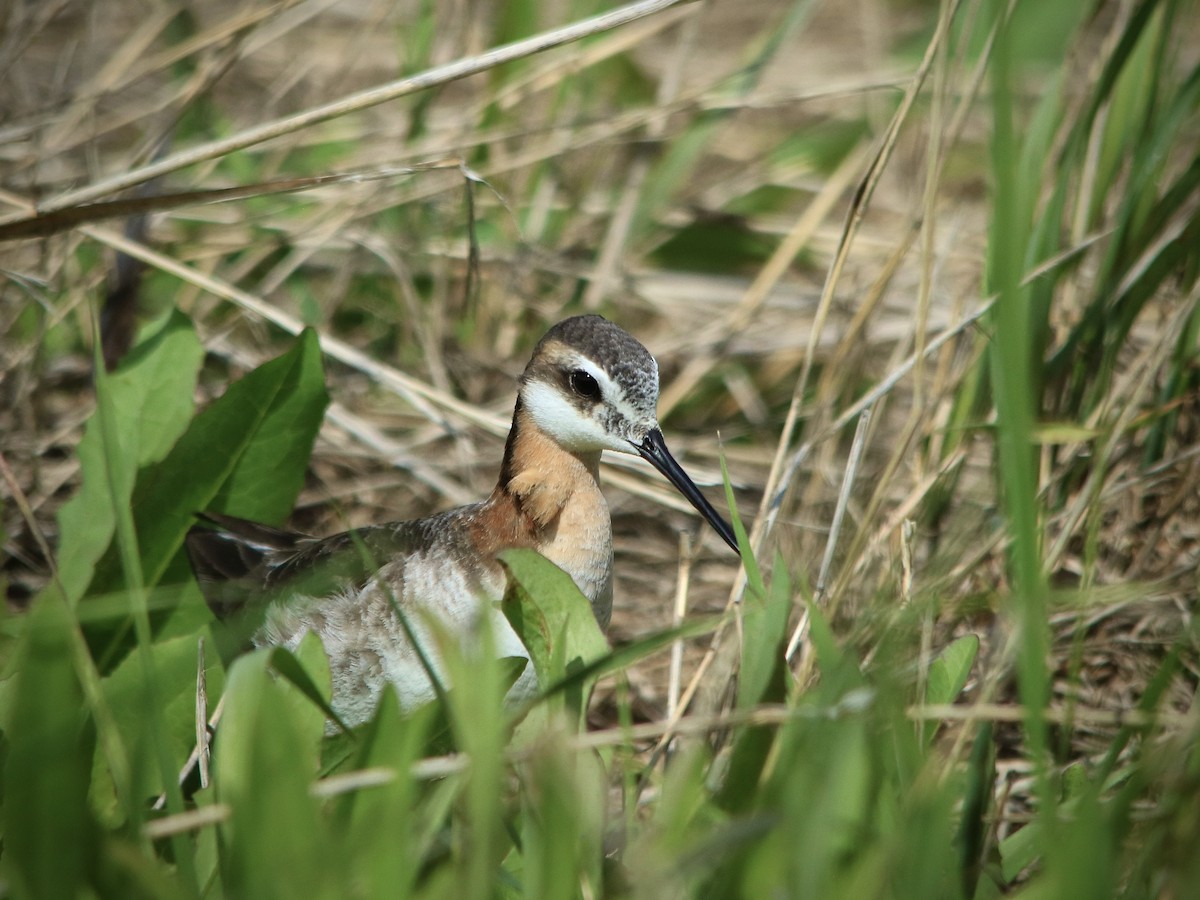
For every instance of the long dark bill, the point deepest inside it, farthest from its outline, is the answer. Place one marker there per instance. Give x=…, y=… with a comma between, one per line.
x=654, y=450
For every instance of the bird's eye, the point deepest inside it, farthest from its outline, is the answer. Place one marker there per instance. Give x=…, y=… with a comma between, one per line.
x=584, y=385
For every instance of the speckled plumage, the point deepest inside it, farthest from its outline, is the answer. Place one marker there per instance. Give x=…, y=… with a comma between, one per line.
x=589, y=386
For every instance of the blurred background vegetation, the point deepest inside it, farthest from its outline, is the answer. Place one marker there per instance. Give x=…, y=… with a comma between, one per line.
x=922, y=275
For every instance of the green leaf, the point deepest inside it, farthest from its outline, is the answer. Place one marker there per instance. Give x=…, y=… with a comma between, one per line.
x=563, y=829
x=126, y=691
x=764, y=630
x=763, y=674
x=379, y=828
x=948, y=675
x=50, y=836
x=830, y=657
x=274, y=844
x=754, y=579
x=1021, y=848
x=973, y=829
x=304, y=669
x=723, y=246
x=627, y=654
x=554, y=621
x=151, y=395
x=268, y=471
x=245, y=454
x=1075, y=782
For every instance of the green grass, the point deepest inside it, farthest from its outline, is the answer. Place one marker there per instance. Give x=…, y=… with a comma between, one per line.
x=945, y=728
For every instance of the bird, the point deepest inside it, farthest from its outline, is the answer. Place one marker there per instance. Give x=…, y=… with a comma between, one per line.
x=589, y=387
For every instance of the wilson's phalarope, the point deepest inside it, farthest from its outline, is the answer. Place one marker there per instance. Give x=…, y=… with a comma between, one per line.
x=589, y=387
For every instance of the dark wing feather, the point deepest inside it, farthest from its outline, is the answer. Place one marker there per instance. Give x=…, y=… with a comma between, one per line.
x=240, y=562
x=232, y=559
x=237, y=548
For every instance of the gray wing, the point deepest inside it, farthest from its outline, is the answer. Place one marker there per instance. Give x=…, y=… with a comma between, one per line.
x=239, y=563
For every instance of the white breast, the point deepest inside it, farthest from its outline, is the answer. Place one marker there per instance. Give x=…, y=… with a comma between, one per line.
x=368, y=647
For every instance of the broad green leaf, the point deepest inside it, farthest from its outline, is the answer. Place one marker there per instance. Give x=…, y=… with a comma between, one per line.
x=308, y=671
x=812, y=780
x=50, y=837
x=274, y=843
x=378, y=827
x=721, y=247
x=269, y=470
x=175, y=665
x=1075, y=782
x=553, y=620
x=151, y=395
x=1021, y=849
x=245, y=454
x=948, y=675
x=1081, y=861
